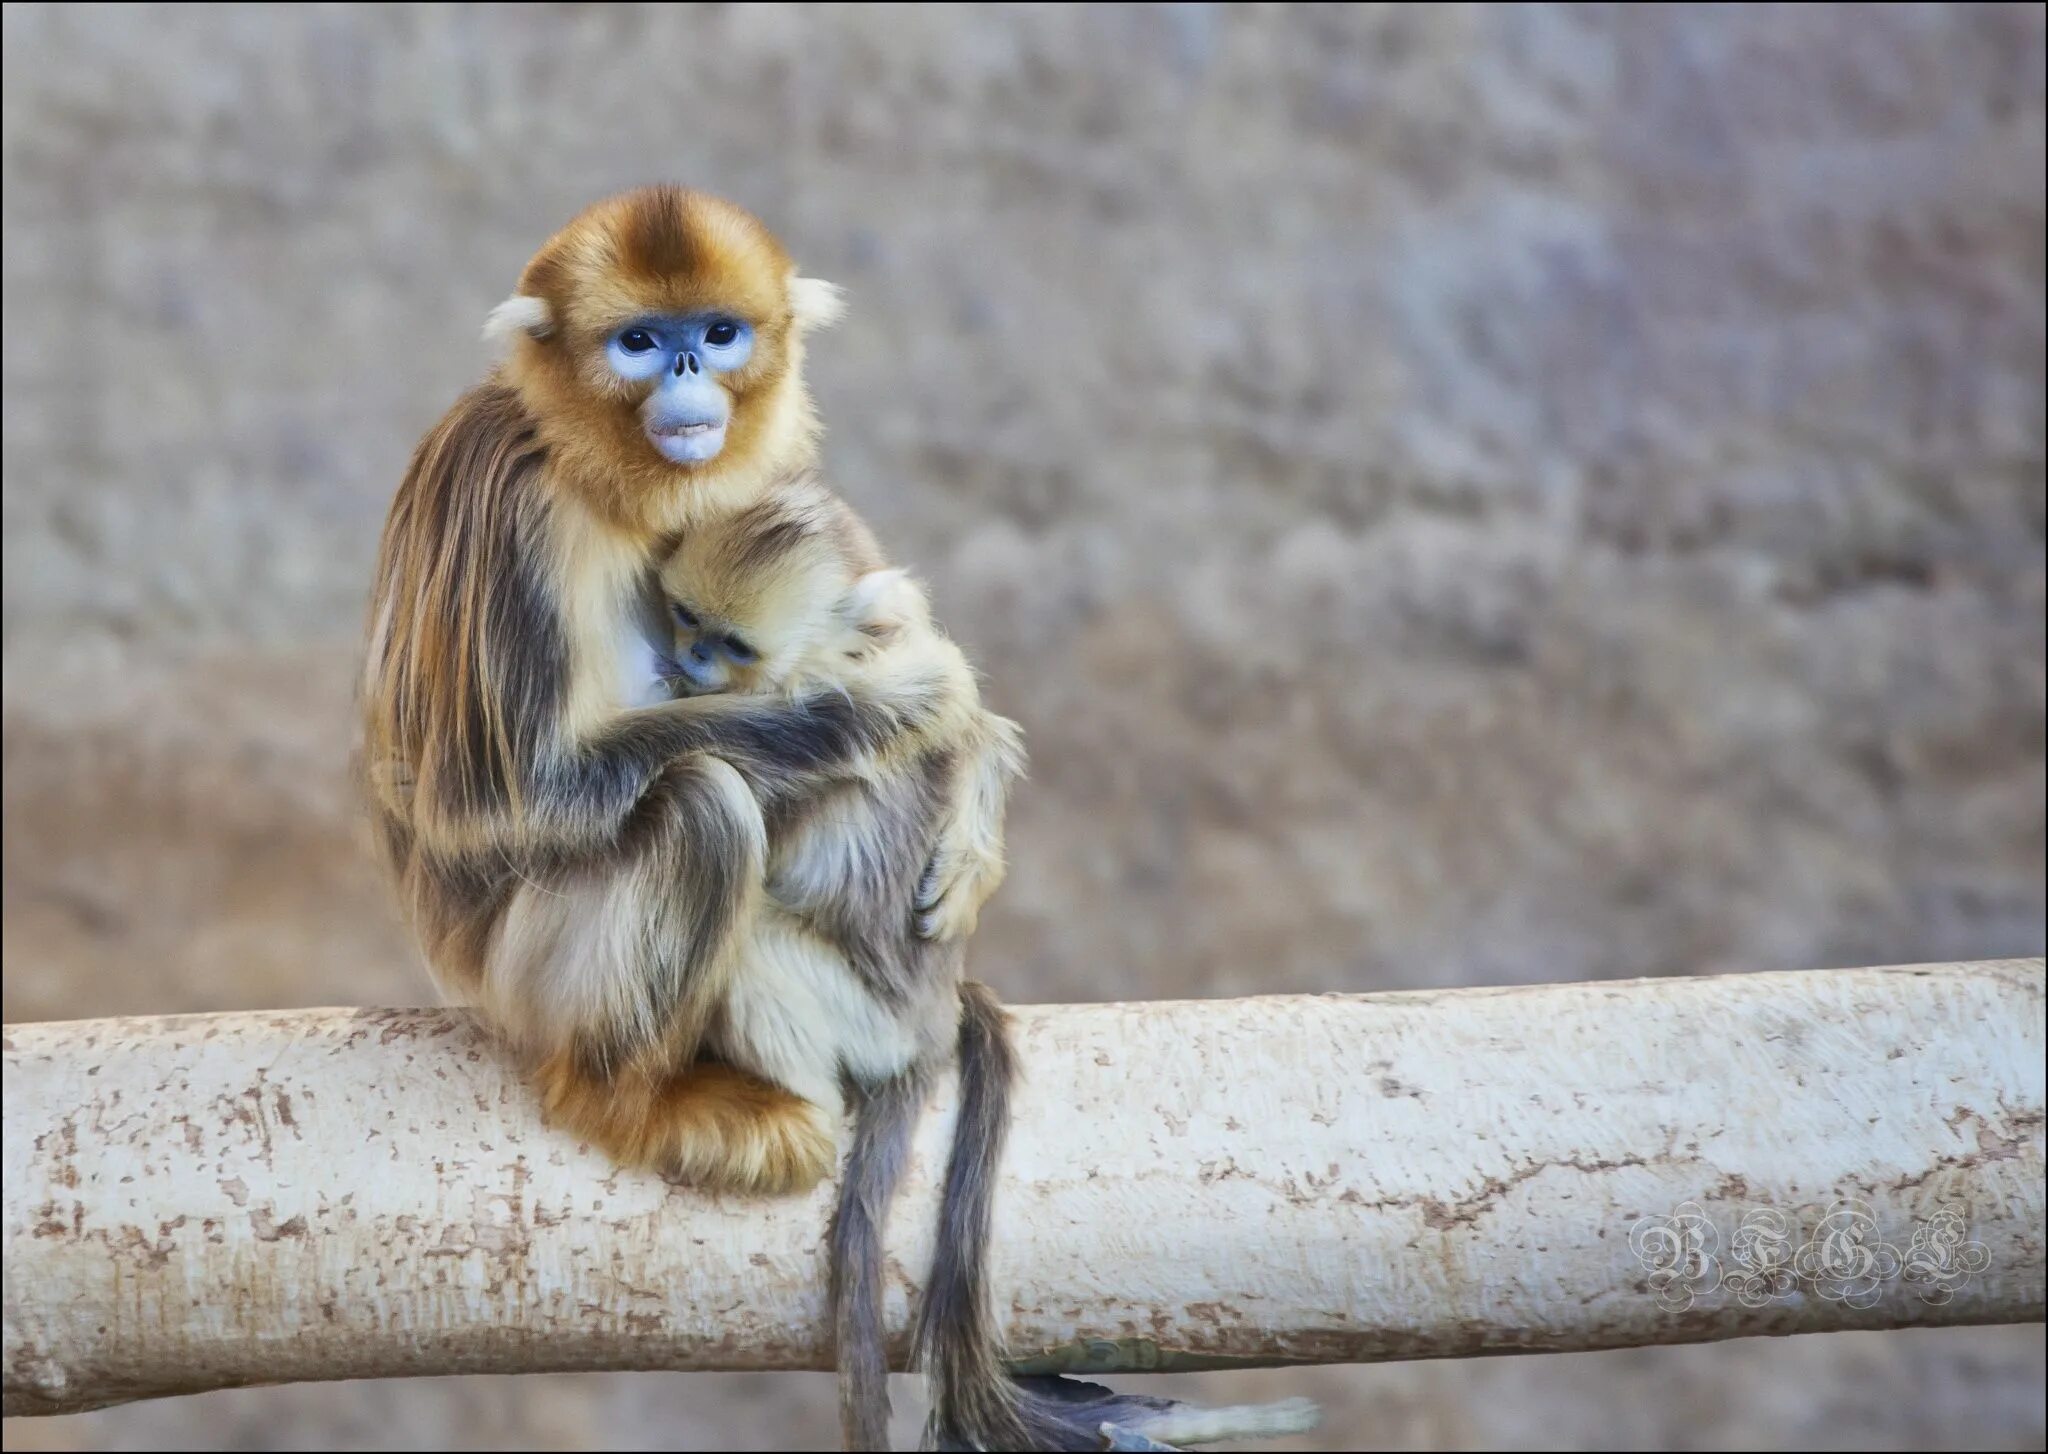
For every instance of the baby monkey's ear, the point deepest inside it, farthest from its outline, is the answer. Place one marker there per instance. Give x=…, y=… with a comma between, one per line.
x=884, y=602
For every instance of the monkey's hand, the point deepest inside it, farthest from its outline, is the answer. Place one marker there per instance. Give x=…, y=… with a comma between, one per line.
x=960, y=878
x=967, y=865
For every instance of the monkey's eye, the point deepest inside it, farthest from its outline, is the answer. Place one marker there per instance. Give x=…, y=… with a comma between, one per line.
x=722, y=333
x=684, y=617
x=739, y=651
x=636, y=340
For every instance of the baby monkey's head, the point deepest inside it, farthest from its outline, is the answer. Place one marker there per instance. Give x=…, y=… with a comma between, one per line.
x=784, y=594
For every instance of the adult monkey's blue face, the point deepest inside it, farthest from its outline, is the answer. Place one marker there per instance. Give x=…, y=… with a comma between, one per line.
x=687, y=411
x=658, y=339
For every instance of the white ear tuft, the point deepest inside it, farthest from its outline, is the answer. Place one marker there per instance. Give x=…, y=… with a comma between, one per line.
x=519, y=314
x=816, y=303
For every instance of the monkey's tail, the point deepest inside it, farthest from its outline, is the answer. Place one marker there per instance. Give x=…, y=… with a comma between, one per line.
x=975, y=1403
x=884, y=1118
x=955, y=1340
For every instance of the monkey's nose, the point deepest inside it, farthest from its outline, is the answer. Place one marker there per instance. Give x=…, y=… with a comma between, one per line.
x=686, y=363
x=700, y=652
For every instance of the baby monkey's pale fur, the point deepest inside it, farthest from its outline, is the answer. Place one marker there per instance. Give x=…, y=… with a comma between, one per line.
x=829, y=983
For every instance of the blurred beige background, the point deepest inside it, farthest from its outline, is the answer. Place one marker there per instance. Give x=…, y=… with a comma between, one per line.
x=1455, y=496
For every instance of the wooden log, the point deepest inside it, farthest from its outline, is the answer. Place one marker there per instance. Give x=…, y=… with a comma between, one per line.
x=208, y=1201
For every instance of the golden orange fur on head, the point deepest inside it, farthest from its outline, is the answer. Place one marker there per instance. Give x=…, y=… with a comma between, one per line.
x=662, y=251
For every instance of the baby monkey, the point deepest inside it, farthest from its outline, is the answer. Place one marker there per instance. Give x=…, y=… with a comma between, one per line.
x=839, y=974
x=837, y=985
x=841, y=981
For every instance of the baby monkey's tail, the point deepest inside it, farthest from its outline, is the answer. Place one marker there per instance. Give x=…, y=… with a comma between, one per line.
x=976, y=1404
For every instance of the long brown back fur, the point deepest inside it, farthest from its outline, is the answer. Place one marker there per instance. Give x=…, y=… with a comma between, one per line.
x=456, y=587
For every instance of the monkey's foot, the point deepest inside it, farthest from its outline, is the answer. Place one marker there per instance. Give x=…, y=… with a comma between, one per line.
x=730, y=1131
x=1070, y=1414
x=710, y=1125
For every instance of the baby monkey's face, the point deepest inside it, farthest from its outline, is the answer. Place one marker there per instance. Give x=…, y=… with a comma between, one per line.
x=775, y=624
x=712, y=654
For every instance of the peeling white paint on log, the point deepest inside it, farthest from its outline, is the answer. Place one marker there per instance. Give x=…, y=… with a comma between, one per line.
x=207, y=1201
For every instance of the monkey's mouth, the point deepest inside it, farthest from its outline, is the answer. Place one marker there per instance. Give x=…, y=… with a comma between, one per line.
x=679, y=682
x=687, y=441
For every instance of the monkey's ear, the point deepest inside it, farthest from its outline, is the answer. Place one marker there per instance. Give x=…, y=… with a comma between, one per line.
x=816, y=303
x=519, y=314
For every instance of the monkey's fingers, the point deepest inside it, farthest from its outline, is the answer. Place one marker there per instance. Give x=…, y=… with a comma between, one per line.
x=951, y=893
x=928, y=910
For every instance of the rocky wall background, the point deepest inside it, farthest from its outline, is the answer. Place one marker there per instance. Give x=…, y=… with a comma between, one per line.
x=1455, y=495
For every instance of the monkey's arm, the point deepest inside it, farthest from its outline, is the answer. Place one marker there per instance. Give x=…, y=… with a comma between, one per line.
x=967, y=865
x=778, y=747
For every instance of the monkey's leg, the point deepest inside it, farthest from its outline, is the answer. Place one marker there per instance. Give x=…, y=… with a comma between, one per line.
x=620, y=957
x=630, y=962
